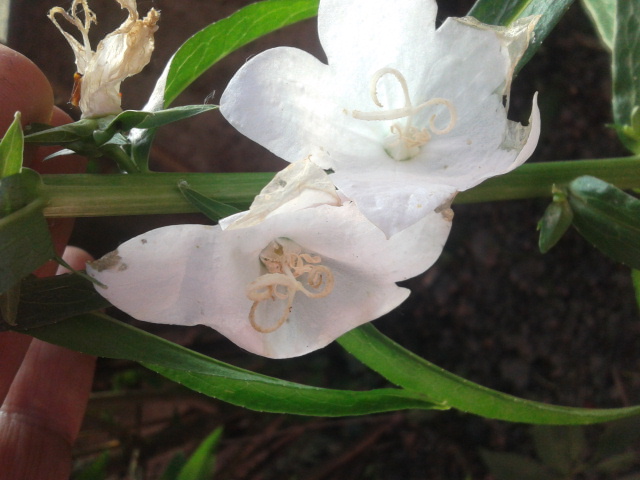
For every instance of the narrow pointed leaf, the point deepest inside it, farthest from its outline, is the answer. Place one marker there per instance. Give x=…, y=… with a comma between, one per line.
x=71, y=132
x=213, y=209
x=407, y=370
x=608, y=218
x=635, y=275
x=499, y=12
x=139, y=119
x=43, y=301
x=25, y=243
x=11, y=149
x=202, y=462
x=626, y=72
x=100, y=335
x=216, y=41
x=554, y=223
x=602, y=13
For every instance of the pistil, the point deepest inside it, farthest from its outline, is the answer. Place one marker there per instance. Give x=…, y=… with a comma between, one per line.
x=406, y=139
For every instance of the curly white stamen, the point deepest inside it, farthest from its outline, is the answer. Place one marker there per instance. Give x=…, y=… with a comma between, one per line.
x=285, y=262
x=404, y=133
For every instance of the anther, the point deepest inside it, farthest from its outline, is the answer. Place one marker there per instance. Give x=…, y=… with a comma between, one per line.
x=285, y=263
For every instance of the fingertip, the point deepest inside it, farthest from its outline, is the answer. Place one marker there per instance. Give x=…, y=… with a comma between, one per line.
x=76, y=258
x=24, y=88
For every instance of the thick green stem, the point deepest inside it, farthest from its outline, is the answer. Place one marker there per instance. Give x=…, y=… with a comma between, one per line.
x=105, y=195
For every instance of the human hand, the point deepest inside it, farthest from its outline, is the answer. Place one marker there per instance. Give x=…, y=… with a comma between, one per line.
x=43, y=388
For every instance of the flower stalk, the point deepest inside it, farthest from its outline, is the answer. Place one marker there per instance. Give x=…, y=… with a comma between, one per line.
x=85, y=195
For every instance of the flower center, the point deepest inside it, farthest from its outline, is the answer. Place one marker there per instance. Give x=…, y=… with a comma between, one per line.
x=405, y=140
x=285, y=263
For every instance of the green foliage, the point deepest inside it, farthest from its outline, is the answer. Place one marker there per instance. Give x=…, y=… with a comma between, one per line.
x=212, y=44
x=96, y=470
x=498, y=12
x=407, y=370
x=213, y=209
x=554, y=223
x=635, y=275
x=602, y=13
x=505, y=12
x=25, y=242
x=100, y=335
x=216, y=41
x=563, y=453
x=47, y=300
x=11, y=149
x=626, y=73
x=174, y=467
x=202, y=462
x=97, y=137
x=608, y=218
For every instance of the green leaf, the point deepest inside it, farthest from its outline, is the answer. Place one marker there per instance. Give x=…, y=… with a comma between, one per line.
x=202, y=462
x=554, y=223
x=139, y=119
x=11, y=149
x=18, y=190
x=559, y=447
x=635, y=275
x=498, y=12
x=216, y=41
x=48, y=300
x=212, y=44
x=100, y=335
x=175, y=465
x=407, y=370
x=511, y=466
x=71, y=132
x=602, y=13
x=25, y=243
x=626, y=72
x=213, y=209
x=96, y=470
x=608, y=218
x=505, y=12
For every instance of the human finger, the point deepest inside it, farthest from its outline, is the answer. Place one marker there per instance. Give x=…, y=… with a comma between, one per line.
x=42, y=413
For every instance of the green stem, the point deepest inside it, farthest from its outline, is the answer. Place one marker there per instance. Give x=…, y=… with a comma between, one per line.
x=105, y=195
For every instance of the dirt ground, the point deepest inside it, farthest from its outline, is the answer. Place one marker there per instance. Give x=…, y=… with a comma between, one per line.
x=561, y=327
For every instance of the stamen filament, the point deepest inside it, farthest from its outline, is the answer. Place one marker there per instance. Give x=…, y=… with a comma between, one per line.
x=285, y=263
x=412, y=138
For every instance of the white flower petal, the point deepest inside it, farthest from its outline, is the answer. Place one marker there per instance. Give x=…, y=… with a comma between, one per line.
x=194, y=274
x=301, y=185
x=286, y=89
x=394, y=202
x=362, y=36
x=398, y=100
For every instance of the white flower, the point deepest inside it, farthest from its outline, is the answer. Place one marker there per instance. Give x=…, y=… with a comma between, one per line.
x=404, y=114
x=122, y=53
x=288, y=284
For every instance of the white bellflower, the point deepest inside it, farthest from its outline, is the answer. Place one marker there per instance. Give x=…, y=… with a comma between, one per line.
x=288, y=277
x=404, y=115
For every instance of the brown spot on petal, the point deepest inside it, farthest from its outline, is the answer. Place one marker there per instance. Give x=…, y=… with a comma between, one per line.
x=110, y=260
